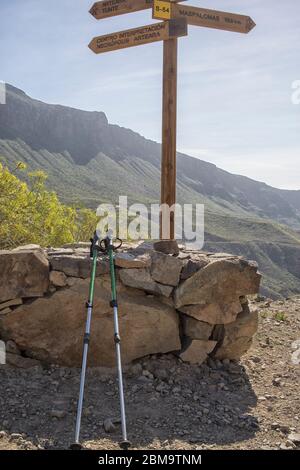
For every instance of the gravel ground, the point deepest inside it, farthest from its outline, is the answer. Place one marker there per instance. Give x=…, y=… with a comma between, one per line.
x=253, y=404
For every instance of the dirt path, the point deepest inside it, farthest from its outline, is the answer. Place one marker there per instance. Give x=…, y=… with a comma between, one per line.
x=170, y=405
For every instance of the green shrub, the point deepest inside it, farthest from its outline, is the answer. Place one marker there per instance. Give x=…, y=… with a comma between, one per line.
x=31, y=214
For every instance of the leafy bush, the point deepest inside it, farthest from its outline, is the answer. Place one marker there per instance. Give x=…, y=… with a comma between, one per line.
x=31, y=214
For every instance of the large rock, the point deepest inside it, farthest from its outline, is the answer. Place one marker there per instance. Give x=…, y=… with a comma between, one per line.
x=23, y=273
x=237, y=336
x=197, y=351
x=193, y=265
x=214, y=313
x=60, y=252
x=30, y=247
x=78, y=245
x=77, y=265
x=20, y=362
x=169, y=247
x=221, y=282
x=12, y=348
x=130, y=261
x=141, y=279
x=166, y=269
x=295, y=356
x=196, y=329
x=51, y=329
x=10, y=303
x=5, y=311
x=58, y=279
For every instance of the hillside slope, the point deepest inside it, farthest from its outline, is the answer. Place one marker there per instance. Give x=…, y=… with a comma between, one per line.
x=90, y=161
x=79, y=137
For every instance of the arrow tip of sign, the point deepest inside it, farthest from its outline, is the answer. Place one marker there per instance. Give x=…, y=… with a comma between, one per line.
x=90, y=46
x=93, y=10
x=251, y=24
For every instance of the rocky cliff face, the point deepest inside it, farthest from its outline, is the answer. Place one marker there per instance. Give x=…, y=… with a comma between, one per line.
x=89, y=161
x=192, y=304
x=81, y=136
x=52, y=127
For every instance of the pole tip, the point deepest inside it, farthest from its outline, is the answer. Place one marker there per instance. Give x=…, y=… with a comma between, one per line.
x=125, y=445
x=76, y=446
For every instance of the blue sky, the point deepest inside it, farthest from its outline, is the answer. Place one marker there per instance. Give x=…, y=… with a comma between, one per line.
x=234, y=90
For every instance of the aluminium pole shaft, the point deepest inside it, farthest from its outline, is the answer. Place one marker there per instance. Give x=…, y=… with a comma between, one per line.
x=86, y=344
x=125, y=444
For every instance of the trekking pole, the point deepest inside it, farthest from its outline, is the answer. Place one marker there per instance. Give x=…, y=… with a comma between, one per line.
x=107, y=245
x=94, y=255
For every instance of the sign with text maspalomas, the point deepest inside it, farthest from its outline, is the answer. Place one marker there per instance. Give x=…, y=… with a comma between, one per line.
x=108, y=8
x=202, y=17
x=138, y=36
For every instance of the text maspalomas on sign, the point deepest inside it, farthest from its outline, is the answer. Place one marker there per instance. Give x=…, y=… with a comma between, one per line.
x=202, y=17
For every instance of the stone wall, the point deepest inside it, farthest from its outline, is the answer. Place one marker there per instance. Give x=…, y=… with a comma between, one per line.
x=193, y=304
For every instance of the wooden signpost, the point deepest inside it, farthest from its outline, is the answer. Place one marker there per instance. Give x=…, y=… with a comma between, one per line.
x=176, y=18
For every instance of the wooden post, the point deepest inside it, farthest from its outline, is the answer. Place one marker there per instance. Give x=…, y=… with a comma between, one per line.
x=175, y=21
x=169, y=128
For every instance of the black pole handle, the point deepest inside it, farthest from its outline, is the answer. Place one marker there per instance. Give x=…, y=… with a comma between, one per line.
x=106, y=244
x=117, y=247
x=94, y=244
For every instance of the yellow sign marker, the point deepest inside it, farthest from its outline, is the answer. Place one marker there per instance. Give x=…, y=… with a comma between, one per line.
x=162, y=9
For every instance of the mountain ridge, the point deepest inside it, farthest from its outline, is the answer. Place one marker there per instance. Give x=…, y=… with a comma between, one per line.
x=90, y=161
x=82, y=135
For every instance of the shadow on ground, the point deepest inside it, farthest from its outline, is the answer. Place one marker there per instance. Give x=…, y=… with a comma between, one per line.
x=174, y=405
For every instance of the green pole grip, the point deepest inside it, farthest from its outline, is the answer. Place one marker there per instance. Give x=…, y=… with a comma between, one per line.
x=112, y=274
x=93, y=276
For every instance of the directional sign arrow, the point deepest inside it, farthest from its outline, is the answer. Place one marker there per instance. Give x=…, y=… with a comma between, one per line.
x=108, y=8
x=161, y=31
x=202, y=17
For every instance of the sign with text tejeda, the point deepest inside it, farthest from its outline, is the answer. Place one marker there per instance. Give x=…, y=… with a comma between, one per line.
x=176, y=17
